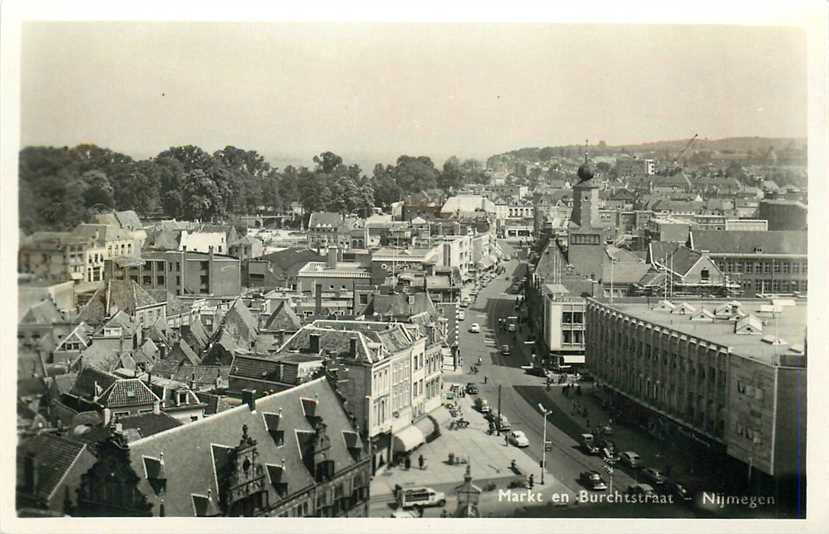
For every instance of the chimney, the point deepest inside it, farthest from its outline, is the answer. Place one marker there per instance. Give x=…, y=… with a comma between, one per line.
x=249, y=398
x=332, y=257
x=314, y=340
x=353, y=347
x=318, y=300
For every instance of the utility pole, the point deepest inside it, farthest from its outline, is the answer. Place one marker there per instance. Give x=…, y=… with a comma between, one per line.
x=498, y=419
x=545, y=413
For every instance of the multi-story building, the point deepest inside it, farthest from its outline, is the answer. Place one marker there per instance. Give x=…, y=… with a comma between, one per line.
x=382, y=372
x=332, y=276
x=635, y=166
x=61, y=256
x=783, y=214
x=563, y=324
x=291, y=454
x=761, y=262
x=729, y=374
x=180, y=272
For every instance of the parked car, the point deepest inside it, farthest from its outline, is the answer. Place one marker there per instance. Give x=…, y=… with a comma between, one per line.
x=505, y=350
x=461, y=315
x=472, y=389
x=512, y=327
x=631, y=459
x=481, y=405
x=653, y=476
x=592, y=480
x=672, y=487
x=537, y=371
x=475, y=328
x=414, y=497
x=640, y=489
x=519, y=439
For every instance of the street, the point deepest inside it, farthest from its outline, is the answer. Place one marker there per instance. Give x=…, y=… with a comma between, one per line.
x=565, y=461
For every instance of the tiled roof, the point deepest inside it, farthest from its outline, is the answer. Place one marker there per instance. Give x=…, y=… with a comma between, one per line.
x=334, y=342
x=239, y=322
x=747, y=242
x=54, y=455
x=129, y=392
x=125, y=295
x=189, y=449
x=325, y=219
x=402, y=305
x=128, y=219
x=283, y=318
x=287, y=263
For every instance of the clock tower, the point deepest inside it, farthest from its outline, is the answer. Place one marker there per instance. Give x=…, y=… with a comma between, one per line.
x=586, y=235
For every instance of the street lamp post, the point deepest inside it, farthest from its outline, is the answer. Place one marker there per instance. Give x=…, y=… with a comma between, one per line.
x=545, y=413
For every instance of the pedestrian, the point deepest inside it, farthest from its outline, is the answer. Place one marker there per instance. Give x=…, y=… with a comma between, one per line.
x=532, y=481
x=420, y=461
x=506, y=440
x=485, y=379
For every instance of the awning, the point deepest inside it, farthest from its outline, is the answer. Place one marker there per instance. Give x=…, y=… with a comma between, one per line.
x=426, y=427
x=573, y=358
x=407, y=439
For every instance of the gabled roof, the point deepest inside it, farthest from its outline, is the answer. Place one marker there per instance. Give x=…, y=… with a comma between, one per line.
x=239, y=322
x=287, y=263
x=325, y=219
x=128, y=219
x=750, y=324
x=123, y=295
x=749, y=242
x=674, y=256
x=190, y=451
x=43, y=313
x=283, y=318
x=128, y=392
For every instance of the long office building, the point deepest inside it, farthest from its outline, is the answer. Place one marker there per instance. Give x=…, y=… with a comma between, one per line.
x=729, y=374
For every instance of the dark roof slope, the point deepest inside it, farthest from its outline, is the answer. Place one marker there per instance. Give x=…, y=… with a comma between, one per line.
x=54, y=456
x=283, y=318
x=748, y=242
x=125, y=295
x=190, y=450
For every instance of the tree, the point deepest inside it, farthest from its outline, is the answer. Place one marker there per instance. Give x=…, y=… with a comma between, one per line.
x=327, y=162
x=386, y=190
x=414, y=174
x=189, y=156
x=205, y=196
x=452, y=177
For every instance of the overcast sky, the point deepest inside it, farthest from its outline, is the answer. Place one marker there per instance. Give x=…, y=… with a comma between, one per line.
x=373, y=92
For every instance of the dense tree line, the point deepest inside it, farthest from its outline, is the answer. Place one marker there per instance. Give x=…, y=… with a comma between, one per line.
x=61, y=187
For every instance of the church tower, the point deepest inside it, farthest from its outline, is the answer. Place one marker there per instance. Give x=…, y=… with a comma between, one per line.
x=586, y=235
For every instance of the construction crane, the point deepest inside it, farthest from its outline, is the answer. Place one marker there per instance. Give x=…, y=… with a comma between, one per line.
x=684, y=150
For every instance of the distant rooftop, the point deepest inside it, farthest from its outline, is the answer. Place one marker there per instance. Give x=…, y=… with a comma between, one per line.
x=789, y=324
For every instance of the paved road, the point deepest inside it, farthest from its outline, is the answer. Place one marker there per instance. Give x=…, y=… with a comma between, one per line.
x=565, y=461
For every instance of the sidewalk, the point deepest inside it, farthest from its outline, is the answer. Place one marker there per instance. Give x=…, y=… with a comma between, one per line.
x=488, y=455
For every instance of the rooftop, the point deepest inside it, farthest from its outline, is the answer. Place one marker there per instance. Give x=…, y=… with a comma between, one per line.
x=790, y=325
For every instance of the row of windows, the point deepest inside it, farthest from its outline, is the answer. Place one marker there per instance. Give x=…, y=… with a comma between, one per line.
x=776, y=286
x=764, y=266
